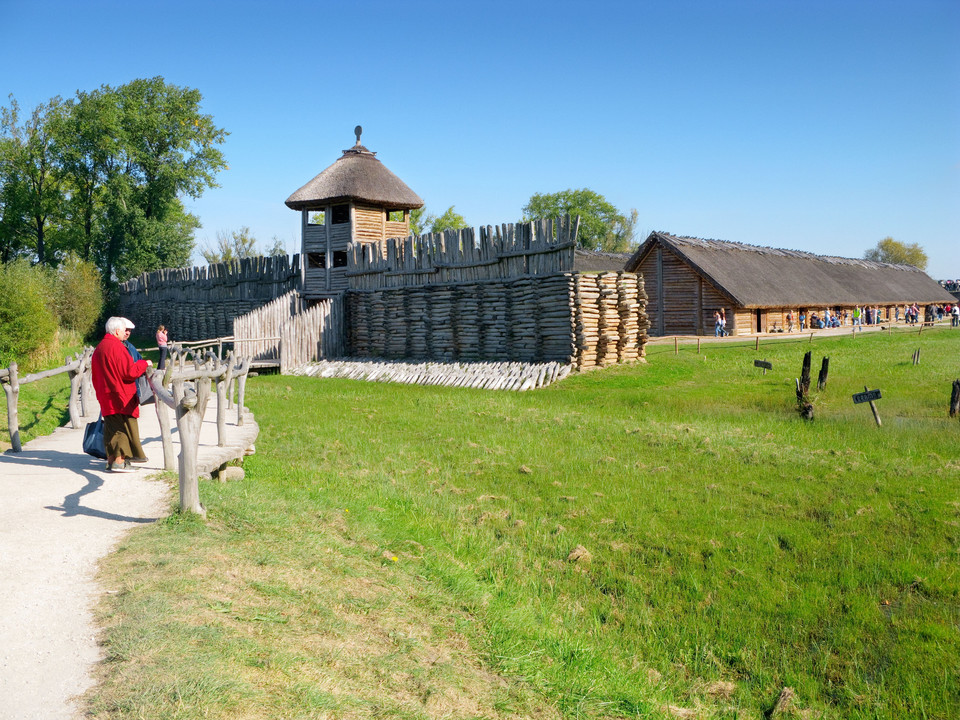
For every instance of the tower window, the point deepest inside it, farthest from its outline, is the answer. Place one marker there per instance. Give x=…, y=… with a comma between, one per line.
x=316, y=217
x=341, y=214
x=339, y=258
x=317, y=260
x=394, y=215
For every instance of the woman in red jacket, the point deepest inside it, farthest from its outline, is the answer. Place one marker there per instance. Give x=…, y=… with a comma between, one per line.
x=114, y=380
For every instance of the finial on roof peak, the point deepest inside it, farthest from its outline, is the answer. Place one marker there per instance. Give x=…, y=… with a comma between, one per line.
x=358, y=131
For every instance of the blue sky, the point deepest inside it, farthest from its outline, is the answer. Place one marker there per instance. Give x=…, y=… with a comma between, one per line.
x=818, y=126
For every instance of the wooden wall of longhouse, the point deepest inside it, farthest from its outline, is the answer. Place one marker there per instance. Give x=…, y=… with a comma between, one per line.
x=199, y=303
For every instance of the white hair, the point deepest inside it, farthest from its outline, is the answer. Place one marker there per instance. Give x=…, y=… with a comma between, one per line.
x=114, y=324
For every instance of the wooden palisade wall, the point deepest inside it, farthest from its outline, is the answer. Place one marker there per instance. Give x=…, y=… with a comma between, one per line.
x=199, y=303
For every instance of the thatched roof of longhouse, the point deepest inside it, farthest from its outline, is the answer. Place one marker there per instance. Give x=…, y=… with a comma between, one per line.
x=357, y=175
x=756, y=277
x=591, y=261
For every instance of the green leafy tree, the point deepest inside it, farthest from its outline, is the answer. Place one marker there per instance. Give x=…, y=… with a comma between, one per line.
x=231, y=246
x=78, y=295
x=450, y=220
x=276, y=248
x=33, y=182
x=27, y=321
x=889, y=250
x=419, y=220
x=602, y=226
x=423, y=222
x=104, y=175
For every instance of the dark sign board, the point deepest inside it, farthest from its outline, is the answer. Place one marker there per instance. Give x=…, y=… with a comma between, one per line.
x=763, y=364
x=868, y=396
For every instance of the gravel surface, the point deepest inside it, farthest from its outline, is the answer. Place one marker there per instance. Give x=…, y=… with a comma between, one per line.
x=60, y=513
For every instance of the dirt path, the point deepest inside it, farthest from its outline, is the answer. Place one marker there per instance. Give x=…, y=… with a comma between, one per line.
x=60, y=512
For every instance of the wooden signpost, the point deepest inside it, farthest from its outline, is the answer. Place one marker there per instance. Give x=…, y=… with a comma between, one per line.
x=868, y=396
x=763, y=364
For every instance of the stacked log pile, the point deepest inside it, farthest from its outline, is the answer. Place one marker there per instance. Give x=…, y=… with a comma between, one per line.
x=201, y=302
x=610, y=319
x=489, y=376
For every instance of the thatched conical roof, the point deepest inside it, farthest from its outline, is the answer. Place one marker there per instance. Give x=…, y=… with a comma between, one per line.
x=756, y=277
x=357, y=175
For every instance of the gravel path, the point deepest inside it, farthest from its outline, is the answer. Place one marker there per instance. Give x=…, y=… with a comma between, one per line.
x=60, y=513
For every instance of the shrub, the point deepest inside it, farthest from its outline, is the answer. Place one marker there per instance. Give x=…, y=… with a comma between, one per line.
x=79, y=295
x=27, y=322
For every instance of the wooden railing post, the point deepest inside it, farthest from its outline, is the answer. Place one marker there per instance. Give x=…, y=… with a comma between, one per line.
x=11, y=388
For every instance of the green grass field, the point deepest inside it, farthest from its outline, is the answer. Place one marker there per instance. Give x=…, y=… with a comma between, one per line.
x=662, y=540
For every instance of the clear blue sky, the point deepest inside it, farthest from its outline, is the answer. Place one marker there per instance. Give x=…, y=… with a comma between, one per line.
x=815, y=125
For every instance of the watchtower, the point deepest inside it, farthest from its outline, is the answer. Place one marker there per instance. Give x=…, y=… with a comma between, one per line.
x=355, y=200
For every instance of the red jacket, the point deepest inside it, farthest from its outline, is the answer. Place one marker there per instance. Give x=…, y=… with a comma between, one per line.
x=114, y=374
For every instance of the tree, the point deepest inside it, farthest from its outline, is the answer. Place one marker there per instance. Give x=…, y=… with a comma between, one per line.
x=276, y=248
x=32, y=190
x=450, y=220
x=889, y=250
x=602, y=226
x=231, y=246
x=104, y=175
x=423, y=222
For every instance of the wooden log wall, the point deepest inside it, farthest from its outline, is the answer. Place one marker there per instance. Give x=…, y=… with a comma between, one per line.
x=314, y=334
x=201, y=302
x=540, y=247
x=257, y=334
x=584, y=320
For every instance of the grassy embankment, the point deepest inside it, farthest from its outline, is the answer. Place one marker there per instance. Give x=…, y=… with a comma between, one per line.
x=400, y=551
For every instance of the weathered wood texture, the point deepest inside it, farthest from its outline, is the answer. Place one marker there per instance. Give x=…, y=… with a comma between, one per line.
x=487, y=376
x=201, y=302
x=81, y=401
x=289, y=332
x=584, y=320
x=540, y=247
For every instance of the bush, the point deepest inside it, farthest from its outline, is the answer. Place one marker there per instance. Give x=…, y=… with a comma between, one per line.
x=28, y=324
x=79, y=295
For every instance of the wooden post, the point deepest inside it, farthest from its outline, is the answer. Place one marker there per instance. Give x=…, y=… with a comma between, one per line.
x=805, y=374
x=676, y=345
x=221, y=407
x=242, y=388
x=758, y=345
x=698, y=345
x=11, y=388
x=955, y=399
x=824, y=369
x=873, y=407
x=76, y=379
x=190, y=408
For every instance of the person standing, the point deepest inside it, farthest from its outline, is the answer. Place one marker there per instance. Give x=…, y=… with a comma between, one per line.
x=162, y=342
x=956, y=315
x=789, y=321
x=114, y=381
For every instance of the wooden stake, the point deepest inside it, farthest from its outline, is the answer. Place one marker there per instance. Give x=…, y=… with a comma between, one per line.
x=676, y=345
x=873, y=406
x=955, y=399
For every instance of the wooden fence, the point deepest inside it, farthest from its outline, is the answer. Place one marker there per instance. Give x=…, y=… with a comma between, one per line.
x=202, y=302
x=286, y=333
x=80, y=404
x=540, y=247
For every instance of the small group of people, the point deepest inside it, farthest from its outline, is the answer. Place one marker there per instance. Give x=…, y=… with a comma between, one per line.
x=115, y=367
x=720, y=323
